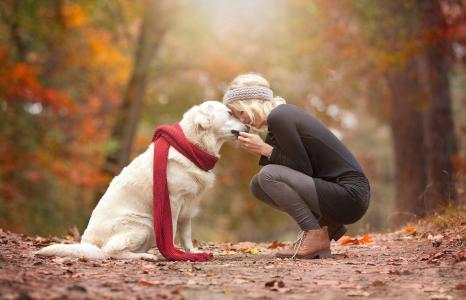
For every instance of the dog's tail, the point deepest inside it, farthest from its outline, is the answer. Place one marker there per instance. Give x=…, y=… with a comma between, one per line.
x=73, y=250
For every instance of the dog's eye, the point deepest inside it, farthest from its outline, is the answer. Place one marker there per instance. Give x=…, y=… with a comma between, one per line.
x=230, y=113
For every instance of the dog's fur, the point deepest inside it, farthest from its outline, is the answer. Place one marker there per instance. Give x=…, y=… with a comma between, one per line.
x=121, y=225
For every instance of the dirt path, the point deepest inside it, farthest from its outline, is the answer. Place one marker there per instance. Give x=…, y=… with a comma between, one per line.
x=396, y=265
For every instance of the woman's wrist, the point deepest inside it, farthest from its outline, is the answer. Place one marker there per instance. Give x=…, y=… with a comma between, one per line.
x=267, y=150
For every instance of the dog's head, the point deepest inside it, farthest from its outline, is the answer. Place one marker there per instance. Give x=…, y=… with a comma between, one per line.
x=213, y=119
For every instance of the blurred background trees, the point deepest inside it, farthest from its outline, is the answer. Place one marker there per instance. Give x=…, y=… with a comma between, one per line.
x=84, y=83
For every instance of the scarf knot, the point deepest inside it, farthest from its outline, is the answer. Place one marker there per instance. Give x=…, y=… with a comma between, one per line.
x=164, y=137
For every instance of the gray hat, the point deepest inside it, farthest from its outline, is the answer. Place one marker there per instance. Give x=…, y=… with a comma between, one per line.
x=247, y=93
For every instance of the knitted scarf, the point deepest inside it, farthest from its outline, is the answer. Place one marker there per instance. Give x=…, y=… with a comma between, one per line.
x=164, y=137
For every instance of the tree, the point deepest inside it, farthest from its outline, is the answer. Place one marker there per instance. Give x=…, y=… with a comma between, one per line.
x=439, y=126
x=410, y=41
x=154, y=24
x=406, y=106
x=60, y=71
x=391, y=38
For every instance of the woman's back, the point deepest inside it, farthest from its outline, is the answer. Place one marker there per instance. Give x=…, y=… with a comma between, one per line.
x=313, y=148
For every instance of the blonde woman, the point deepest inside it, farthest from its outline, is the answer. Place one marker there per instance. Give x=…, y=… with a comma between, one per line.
x=307, y=172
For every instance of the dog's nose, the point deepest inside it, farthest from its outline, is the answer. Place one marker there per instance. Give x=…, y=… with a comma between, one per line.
x=246, y=128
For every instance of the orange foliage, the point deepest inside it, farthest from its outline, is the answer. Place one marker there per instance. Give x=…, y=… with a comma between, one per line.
x=20, y=82
x=275, y=245
x=74, y=15
x=346, y=240
x=72, y=152
x=410, y=230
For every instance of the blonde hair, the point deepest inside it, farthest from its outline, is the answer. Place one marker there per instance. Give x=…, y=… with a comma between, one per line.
x=262, y=107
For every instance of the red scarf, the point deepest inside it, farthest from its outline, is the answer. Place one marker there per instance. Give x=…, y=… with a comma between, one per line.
x=164, y=137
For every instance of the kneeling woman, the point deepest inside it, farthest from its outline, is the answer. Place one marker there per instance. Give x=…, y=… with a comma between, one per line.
x=308, y=173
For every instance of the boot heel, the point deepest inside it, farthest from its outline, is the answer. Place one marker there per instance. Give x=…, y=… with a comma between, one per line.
x=323, y=254
x=320, y=254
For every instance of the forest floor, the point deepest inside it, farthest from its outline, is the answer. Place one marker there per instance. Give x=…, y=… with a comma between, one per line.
x=412, y=263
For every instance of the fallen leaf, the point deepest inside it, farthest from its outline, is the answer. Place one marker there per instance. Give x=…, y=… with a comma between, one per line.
x=274, y=282
x=434, y=256
x=377, y=283
x=242, y=246
x=346, y=240
x=40, y=241
x=438, y=255
x=411, y=230
x=144, y=282
x=460, y=256
x=436, y=240
x=191, y=282
x=73, y=234
x=252, y=250
x=431, y=289
x=77, y=288
x=275, y=245
x=277, y=286
x=239, y=281
x=228, y=252
x=398, y=272
x=357, y=293
x=347, y=286
x=441, y=297
x=460, y=286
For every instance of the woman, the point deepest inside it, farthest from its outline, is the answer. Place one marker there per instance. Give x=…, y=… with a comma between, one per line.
x=308, y=173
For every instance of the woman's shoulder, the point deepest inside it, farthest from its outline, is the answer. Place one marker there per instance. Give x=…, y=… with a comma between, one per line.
x=283, y=113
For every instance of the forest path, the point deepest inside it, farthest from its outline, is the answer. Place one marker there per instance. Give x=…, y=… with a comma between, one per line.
x=398, y=265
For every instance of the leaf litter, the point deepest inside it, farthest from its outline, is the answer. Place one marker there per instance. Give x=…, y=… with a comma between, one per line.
x=386, y=266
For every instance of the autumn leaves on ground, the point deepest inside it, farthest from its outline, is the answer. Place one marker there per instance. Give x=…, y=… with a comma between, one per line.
x=416, y=262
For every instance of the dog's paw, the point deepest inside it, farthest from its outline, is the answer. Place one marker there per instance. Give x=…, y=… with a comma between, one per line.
x=193, y=250
x=149, y=257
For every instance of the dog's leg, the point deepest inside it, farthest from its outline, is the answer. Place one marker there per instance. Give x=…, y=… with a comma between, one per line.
x=185, y=235
x=176, y=208
x=132, y=255
x=130, y=245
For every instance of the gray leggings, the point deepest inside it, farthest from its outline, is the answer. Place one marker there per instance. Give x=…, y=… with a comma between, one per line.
x=290, y=191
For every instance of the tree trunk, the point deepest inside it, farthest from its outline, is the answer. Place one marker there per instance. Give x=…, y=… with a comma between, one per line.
x=439, y=126
x=406, y=115
x=408, y=138
x=153, y=27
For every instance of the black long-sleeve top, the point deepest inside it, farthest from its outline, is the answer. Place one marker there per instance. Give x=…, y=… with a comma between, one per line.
x=301, y=142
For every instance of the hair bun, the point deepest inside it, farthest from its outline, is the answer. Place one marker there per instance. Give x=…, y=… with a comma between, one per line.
x=249, y=79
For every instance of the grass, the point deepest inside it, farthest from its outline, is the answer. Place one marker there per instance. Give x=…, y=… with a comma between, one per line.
x=452, y=216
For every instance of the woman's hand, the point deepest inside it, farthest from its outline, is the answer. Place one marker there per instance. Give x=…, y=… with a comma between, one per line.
x=254, y=144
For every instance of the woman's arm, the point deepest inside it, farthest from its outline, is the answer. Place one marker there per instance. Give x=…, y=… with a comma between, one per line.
x=274, y=155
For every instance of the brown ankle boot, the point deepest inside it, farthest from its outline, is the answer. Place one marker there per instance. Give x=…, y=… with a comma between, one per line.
x=310, y=244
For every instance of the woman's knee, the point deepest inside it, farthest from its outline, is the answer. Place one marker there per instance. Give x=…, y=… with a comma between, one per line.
x=268, y=173
x=259, y=193
x=255, y=187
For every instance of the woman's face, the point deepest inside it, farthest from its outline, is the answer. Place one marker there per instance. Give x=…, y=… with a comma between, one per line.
x=245, y=119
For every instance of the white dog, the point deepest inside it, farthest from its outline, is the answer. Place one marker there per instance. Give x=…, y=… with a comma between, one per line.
x=121, y=225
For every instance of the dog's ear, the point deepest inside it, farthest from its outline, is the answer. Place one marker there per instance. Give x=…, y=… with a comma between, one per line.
x=202, y=118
